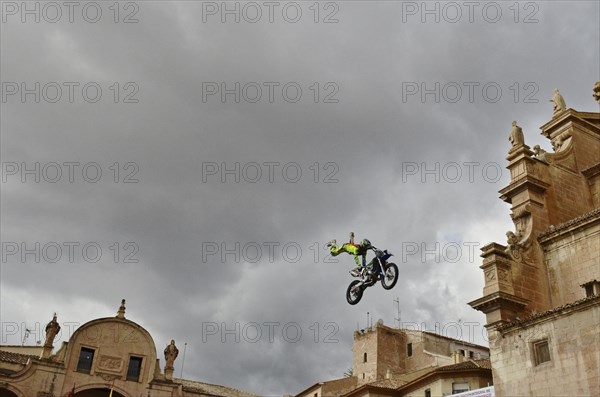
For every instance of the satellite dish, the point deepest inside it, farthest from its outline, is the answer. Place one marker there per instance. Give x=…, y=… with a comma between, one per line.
x=380, y=321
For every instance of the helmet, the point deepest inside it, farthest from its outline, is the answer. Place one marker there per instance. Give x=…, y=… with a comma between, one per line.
x=366, y=244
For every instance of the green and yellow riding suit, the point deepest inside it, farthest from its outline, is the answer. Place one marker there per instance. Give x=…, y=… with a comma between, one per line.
x=352, y=249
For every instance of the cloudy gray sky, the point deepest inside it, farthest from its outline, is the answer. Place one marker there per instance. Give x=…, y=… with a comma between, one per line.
x=195, y=164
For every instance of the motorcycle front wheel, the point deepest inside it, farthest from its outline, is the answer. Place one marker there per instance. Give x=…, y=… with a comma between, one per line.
x=354, y=293
x=390, y=276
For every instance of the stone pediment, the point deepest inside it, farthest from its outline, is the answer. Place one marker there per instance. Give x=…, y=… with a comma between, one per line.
x=586, y=120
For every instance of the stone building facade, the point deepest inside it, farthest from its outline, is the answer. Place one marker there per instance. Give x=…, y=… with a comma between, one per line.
x=399, y=362
x=102, y=354
x=384, y=352
x=542, y=295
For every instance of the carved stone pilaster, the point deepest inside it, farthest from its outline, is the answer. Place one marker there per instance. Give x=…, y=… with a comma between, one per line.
x=500, y=308
x=521, y=217
x=496, y=269
x=526, y=194
x=499, y=302
x=520, y=161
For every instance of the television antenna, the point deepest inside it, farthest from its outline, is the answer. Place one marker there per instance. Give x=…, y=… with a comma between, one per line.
x=25, y=335
x=183, y=360
x=399, y=312
x=461, y=337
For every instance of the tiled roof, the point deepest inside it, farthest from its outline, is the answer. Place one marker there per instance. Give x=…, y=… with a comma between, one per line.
x=388, y=383
x=549, y=312
x=454, y=340
x=409, y=377
x=470, y=364
x=342, y=386
x=397, y=382
x=483, y=364
x=572, y=222
x=210, y=389
x=591, y=171
x=15, y=358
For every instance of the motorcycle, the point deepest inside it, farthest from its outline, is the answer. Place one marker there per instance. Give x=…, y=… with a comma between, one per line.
x=378, y=269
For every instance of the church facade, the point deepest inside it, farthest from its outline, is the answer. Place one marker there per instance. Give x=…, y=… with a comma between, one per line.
x=111, y=353
x=542, y=289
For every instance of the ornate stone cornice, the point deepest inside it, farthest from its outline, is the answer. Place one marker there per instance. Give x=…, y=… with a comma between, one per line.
x=581, y=304
x=592, y=171
x=108, y=377
x=521, y=211
x=527, y=182
x=555, y=231
x=497, y=300
x=493, y=249
x=570, y=115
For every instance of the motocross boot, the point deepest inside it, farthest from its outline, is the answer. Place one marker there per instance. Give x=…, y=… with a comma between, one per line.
x=356, y=272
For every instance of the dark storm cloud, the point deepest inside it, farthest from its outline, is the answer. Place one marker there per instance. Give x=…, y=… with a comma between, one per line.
x=376, y=145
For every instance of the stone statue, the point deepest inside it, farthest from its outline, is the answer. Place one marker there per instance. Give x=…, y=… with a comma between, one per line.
x=516, y=136
x=596, y=94
x=121, y=311
x=540, y=153
x=559, y=102
x=512, y=240
x=52, y=329
x=171, y=352
x=512, y=247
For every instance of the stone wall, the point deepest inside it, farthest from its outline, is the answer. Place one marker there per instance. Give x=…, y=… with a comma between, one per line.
x=443, y=387
x=571, y=257
x=574, y=347
x=387, y=352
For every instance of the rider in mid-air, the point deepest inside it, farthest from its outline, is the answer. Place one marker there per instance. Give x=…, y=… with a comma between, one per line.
x=367, y=274
x=352, y=249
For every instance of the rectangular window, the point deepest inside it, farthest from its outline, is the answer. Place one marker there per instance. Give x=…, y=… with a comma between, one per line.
x=86, y=357
x=134, y=369
x=428, y=393
x=541, y=351
x=471, y=354
x=459, y=388
x=589, y=290
x=409, y=350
